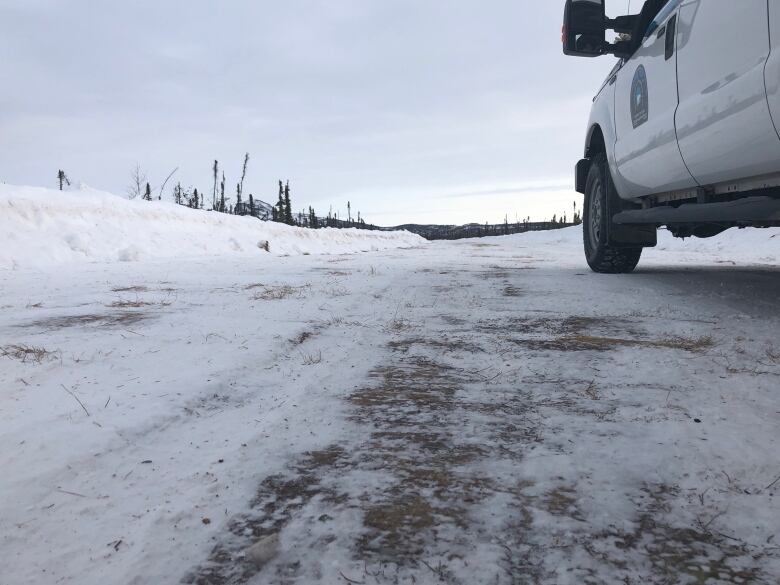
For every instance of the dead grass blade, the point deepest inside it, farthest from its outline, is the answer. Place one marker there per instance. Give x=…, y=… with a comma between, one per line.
x=26, y=353
x=76, y=398
x=276, y=293
x=312, y=359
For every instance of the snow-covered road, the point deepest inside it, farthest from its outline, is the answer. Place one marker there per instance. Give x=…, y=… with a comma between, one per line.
x=483, y=411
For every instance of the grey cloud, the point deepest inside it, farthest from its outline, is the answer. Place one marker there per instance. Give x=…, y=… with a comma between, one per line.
x=347, y=98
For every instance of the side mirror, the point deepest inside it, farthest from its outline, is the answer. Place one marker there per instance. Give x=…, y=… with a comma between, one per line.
x=584, y=28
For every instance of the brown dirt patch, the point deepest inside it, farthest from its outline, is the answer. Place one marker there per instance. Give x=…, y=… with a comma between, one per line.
x=413, y=409
x=277, y=499
x=302, y=337
x=137, y=304
x=562, y=502
x=127, y=289
x=117, y=319
x=596, y=343
x=673, y=552
x=443, y=344
x=554, y=325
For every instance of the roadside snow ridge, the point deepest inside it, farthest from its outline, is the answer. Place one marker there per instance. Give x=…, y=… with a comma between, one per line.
x=44, y=227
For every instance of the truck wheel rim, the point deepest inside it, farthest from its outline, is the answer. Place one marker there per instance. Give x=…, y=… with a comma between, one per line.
x=595, y=212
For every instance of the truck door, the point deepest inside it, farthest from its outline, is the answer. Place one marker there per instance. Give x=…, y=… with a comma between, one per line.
x=646, y=152
x=724, y=126
x=772, y=73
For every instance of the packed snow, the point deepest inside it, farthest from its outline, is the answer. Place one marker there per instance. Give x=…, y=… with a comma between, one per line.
x=481, y=411
x=44, y=227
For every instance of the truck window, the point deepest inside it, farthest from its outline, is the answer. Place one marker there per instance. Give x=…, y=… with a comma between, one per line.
x=663, y=14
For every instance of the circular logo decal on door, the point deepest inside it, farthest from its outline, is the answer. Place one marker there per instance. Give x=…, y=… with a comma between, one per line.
x=639, y=98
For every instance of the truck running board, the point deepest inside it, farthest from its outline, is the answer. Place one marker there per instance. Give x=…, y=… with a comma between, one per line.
x=751, y=210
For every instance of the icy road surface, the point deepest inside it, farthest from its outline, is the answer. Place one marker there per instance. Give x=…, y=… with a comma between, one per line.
x=484, y=411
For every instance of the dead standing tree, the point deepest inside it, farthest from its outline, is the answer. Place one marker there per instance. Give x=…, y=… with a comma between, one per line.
x=137, y=182
x=243, y=176
x=165, y=182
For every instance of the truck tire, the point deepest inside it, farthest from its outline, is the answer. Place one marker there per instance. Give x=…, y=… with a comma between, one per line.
x=603, y=256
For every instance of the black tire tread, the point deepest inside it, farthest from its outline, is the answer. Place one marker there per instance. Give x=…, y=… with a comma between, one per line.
x=607, y=258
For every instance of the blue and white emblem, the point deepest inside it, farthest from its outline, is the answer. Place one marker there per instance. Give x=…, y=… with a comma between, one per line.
x=640, y=102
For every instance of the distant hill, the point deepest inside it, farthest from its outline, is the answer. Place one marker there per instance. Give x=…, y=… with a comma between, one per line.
x=475, y=230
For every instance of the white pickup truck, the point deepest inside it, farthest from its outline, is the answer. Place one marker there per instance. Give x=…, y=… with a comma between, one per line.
x=684, y=131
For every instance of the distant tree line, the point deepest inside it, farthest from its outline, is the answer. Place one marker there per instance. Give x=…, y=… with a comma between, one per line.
x=282, y=211
x=475, y=230
x=223, y=202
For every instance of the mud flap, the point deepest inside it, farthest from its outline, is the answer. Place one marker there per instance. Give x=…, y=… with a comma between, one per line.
x=633, y=235
x=581, y=175
x=630, y=236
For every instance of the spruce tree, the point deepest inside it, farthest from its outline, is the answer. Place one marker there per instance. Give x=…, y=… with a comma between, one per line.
x=288, y=218
x=222, y=194
x=214, y=194
x=63, y=179
x=280, y=215
x=148, y=193
x=251, y=205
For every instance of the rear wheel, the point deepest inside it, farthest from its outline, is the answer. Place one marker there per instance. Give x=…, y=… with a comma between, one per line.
x=603, y=255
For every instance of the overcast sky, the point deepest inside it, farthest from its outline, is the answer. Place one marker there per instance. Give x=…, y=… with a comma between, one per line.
x=414, y=110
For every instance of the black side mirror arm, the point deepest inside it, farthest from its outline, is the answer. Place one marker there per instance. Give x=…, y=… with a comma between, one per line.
x=622, y=24
x=621, y=49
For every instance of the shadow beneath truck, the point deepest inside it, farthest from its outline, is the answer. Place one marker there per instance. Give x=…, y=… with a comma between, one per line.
x=750, y=290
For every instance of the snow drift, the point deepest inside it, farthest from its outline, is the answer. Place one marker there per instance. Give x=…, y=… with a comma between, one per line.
x=749, y=246
x=42, y=227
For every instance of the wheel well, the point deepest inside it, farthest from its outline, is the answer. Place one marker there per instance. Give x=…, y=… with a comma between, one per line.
x=595, y=143
x=594, y=146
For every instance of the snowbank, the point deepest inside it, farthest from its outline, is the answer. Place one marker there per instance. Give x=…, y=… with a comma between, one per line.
x=734, y=246
x=43, y=227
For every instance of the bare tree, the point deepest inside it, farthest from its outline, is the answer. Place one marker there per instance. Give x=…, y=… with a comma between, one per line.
x=137, y=182
x=168, y=178
x=243, y=174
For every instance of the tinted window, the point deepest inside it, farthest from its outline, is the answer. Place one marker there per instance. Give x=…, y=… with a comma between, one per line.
x=663, y=14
